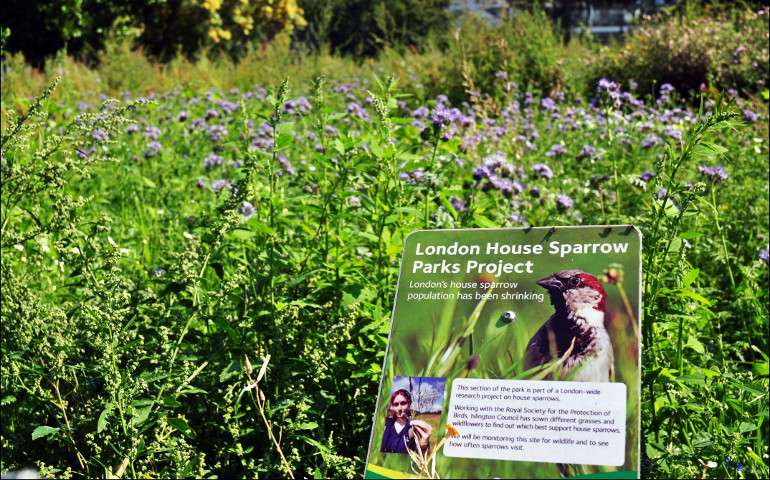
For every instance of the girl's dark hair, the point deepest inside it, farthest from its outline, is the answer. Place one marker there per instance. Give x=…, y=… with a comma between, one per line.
x=405, y=394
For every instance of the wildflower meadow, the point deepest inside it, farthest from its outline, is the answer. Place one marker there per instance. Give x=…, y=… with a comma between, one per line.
x=198, y=279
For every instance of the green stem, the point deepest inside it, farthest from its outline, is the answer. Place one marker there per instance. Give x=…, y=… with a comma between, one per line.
x=721, y=234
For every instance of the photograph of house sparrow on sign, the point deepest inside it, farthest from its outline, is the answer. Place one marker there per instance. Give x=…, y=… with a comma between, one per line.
x=575, y=331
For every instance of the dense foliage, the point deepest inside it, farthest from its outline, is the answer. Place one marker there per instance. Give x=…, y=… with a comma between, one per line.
x=157, y=248
x=164, y=28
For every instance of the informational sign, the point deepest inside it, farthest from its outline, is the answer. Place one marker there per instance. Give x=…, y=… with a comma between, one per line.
x=513, y=353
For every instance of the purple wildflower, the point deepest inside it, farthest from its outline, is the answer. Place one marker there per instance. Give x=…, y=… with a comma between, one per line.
x=213, y=160
x=517, y=219
x=182, y=116
x=298, y=105
x=563, y=202
x=100, y=135
x=651, y=140
x=764, y=255
x=548, y=104
x=358, y=111
x=716, y=174
x=482, y=172
x=152, y=132
x=749, y=115
x=153, y=149
x=557, y=150
x=647, y=176
x=420, y=112
x=197, y=123
x=458, y=204
x=543, y=170
x=83, y=154
x=247, y=209
x=218, y=185
x=588, y=151
x=441, y=116
x=211, y=113
x=133, y=128
x=287, y=166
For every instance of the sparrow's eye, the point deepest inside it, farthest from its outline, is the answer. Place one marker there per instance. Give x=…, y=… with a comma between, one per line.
x=574, y=281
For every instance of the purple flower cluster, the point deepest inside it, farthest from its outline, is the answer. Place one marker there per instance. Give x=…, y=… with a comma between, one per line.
x=151, y=132
x=563, y=202
x=716, y=174
x=764, y=255
x=556, y=150
x=543, y=170
x=299, y=105
x=211, y=161
x=153, y=149
x=588, y=151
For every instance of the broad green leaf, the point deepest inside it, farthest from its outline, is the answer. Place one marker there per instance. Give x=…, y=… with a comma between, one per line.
x=171, y=402
x=284, y=128
x=702, y=439
x=690, y=277
x=101, y=424
x=43, y=431
x=693, y=343
x=232, y=369
x=182, y=426
x=695, y=378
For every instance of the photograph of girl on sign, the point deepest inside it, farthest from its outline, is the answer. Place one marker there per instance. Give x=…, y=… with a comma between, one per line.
x=400, y=430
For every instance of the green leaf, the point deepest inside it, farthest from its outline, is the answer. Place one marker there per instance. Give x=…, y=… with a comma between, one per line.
x=483, y=222
x=315, y=443
x=690, y=277
x=284, y=128
x=376, y=150
x=695, y=378
x=171, y=402
x=308, y=426
x=234, y=368
x=242, y=234
x=702, y=439
x=746, y=427
x=140, y=415
x=693, y=343
x=101, y=424
x=264, y=228
x=182, y=426
x=284, y=141
x=688, y=235
x=219, y=269
x=693, y=295
x=43, y=431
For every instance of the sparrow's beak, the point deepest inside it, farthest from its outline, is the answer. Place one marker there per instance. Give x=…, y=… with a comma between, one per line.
x=550, y=283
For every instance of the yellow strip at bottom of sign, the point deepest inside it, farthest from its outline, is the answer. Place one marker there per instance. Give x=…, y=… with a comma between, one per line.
x=376, y=472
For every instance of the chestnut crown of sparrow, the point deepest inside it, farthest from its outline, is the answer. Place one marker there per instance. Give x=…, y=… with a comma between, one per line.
x=579, y=302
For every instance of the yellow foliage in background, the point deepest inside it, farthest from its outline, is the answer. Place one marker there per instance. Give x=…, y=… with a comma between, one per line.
x=227, y=17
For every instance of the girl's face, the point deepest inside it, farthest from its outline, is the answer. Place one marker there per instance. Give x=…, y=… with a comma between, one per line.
x=400, y=406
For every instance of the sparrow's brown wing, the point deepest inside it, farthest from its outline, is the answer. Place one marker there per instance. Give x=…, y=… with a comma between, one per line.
x=538, y=352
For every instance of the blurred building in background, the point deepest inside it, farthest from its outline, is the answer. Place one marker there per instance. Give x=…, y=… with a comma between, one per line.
x=602, y=19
